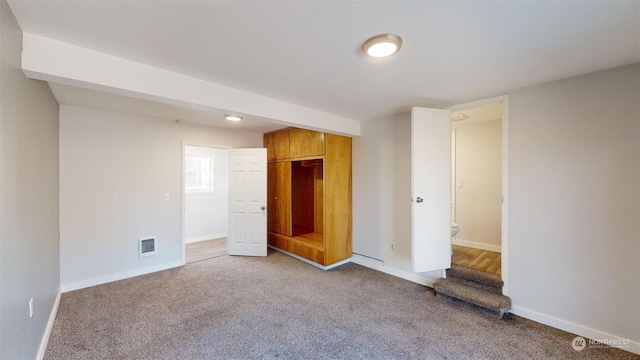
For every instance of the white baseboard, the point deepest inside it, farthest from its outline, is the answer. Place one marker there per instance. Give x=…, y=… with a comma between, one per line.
x=379, y=265
x=47, y=331
x=477, y=245
x=205, y=237
x=115, y=277
x=581, y=330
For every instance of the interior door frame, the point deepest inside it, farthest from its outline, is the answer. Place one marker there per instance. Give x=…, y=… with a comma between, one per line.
x=504, y=241
x=183, y=193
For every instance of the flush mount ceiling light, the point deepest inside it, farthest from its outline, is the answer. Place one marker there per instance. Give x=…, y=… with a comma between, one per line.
x=458, y=116
x=382, y=45
x=233, y=117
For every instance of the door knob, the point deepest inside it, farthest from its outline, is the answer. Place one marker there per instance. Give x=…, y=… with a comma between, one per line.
x=419, y=199
x=263, y=208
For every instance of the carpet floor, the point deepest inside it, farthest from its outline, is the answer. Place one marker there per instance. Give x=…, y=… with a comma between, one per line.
x=280, y=308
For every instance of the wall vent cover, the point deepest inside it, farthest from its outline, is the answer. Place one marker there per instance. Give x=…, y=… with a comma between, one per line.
x=147, y=246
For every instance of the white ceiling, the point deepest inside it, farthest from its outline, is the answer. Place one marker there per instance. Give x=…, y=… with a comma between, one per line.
x=308, y=53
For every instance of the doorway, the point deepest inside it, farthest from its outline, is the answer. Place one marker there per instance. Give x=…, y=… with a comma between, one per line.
x=478, y=185
x=205, y=194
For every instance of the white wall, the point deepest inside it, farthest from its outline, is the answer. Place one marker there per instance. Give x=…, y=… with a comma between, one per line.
x=478, y=165
x=29, y=256
x=574, y=201
x=382, y=197
x=114, y=171
x=206, y=213
x=574, y=209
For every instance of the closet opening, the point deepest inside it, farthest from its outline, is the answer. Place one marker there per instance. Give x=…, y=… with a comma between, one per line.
x=307, y=196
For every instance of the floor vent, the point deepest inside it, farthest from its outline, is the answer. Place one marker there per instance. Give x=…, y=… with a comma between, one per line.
x=147, y=246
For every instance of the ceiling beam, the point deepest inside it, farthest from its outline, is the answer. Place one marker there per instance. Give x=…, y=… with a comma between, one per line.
x=59, y=62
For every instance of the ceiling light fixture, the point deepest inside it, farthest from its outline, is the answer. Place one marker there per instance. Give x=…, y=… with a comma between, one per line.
x=382, y=45
x=458, y=116
x=233, y=117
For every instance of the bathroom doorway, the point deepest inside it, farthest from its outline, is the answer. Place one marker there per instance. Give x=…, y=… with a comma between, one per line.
x=478, y=190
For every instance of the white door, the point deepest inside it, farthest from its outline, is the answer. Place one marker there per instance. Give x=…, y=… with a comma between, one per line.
x=430, y=189
x=247, y=202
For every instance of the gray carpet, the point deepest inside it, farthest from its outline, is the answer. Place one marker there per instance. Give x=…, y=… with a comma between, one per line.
x=278, y=307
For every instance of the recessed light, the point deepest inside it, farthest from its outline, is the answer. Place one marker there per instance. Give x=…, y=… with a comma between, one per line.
x=382, y=45
x=233, y=117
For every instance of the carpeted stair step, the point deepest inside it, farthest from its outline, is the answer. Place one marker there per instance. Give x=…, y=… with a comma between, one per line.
x=496, y=304
x=477, y=285
x=476, y=278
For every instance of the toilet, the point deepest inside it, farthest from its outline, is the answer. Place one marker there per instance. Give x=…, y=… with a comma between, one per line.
x=454, y=229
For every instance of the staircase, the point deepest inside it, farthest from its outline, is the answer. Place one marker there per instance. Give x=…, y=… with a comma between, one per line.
x=473, y=288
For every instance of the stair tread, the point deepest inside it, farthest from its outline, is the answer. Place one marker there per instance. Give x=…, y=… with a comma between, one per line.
x=485, y=278
x=498, y=314
x=483, y=286
x=473, y=295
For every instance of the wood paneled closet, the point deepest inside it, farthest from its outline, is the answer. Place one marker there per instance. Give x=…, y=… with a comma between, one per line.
x=309, y=194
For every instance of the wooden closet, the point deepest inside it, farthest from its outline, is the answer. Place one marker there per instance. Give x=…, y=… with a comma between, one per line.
x=309, y=194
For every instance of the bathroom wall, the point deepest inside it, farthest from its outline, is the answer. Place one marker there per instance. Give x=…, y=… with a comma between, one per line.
x=478, y=190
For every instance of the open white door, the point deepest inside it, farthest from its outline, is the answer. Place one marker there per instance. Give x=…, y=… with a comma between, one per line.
x=430, y=189
x=247, y=202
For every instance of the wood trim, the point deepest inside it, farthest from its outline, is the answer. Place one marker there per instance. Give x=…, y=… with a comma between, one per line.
x=337, y=198
x=299, y=245
x=318, y=191
x=306, y=143
x=283, y=195
x=267, y=141
x=281, y=145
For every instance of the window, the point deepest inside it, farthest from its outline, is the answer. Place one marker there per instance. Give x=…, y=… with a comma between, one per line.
x=198, y=171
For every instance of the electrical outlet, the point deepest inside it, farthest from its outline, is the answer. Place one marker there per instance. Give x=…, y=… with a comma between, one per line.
x=31, y=307
x=393, y=247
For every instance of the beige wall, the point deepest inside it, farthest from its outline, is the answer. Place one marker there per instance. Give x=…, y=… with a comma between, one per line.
x=381, y=189
x=574, y=201
x=29, y=256
x=382, y=197
x=478, y=166
x=114, y=172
